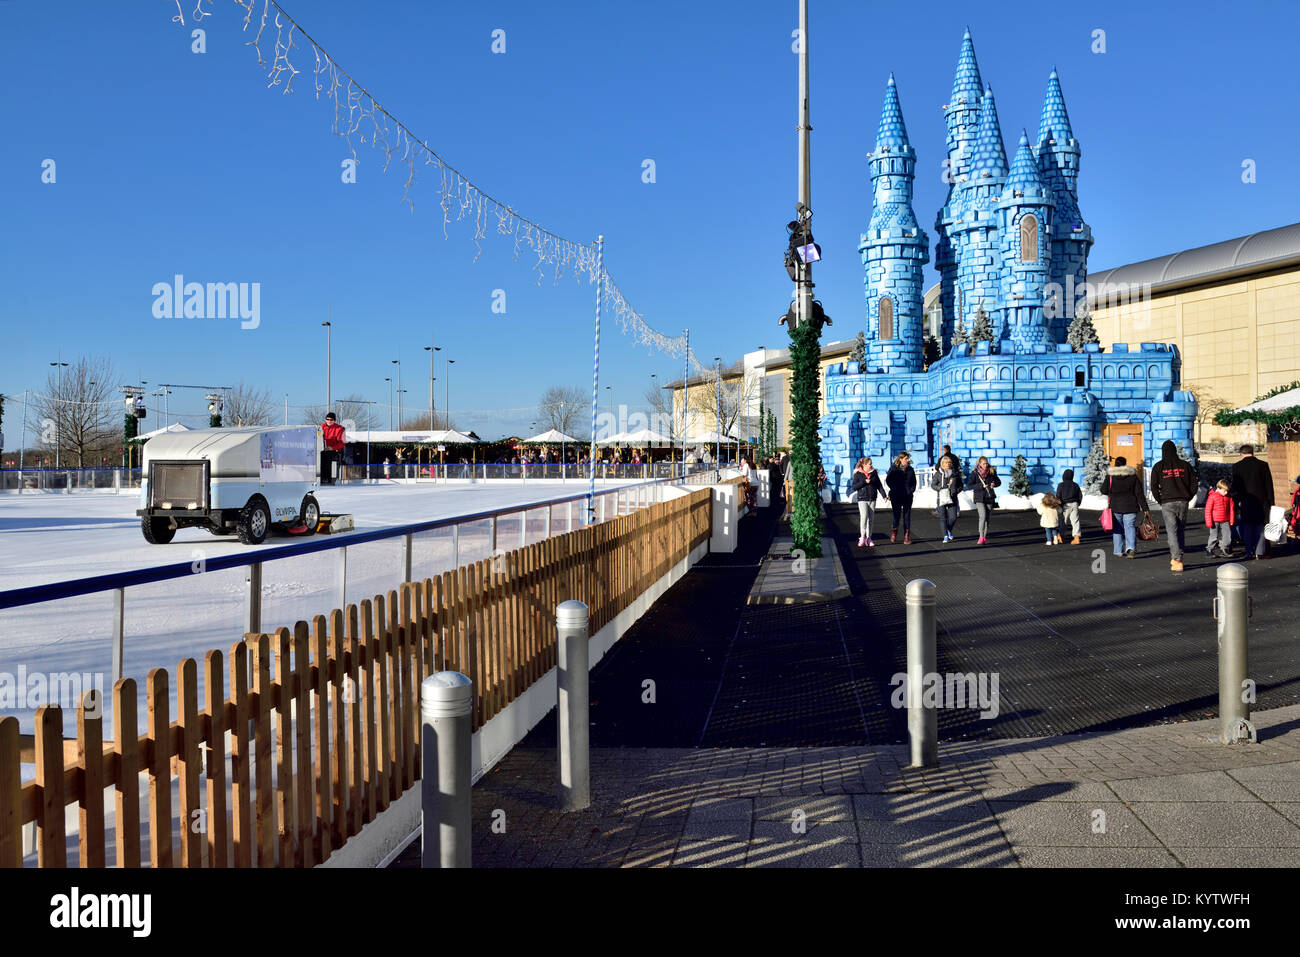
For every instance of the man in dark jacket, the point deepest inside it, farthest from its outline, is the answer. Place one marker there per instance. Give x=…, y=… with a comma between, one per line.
x=1252, y=488
x=1071, y=497
x=1173, y=485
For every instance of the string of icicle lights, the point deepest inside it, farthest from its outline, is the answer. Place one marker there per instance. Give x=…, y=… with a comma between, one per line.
x=358, y=118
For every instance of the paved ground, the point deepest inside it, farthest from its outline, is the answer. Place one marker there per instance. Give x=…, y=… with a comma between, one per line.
x=763, y=711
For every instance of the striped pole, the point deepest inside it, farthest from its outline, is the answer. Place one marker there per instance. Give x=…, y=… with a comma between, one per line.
x=595, y=379
x=686, y=394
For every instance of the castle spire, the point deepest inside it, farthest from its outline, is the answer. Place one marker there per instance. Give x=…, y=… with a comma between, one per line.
x=1024, y=175
x=966, y=85
x=892, y=132
x=990, y=157
x=1055, y=122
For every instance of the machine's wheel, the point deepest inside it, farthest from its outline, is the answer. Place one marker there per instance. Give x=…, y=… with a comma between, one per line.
x=157, y=531
x=254, y=522
x=309, y=514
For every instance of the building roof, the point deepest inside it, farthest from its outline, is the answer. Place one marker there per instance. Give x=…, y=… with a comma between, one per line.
x=772, y=359
x=1257, y=252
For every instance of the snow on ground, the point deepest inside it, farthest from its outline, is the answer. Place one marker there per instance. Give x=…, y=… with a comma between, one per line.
x=52, y=537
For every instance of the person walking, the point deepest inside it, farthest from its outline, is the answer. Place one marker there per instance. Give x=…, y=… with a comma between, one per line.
x=983, y=480
x=866, y=490
x=901, y=482
x=1173, y=485
x=1252, y=486
x=1071, y=497
x=787, y=475
x=1220, y=516
x=1123, y=489
x=1049, y=518
x=947, y=483
x=1292, y=515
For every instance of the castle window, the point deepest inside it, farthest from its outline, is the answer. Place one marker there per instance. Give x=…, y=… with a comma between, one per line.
x=1029, y=239
x=886, y=319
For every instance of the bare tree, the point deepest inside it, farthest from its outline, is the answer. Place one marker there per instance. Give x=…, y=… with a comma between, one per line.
x=246, y=405
x=662, y=415
x=560, y=408
x=420, y=423
x=78, y=413
x=728, y=403
x=351, y=411
x=1208, y=404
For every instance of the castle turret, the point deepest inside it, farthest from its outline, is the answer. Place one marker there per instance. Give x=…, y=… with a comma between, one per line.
x=974, y=228
x=1024, y=236
x=894, y=249
x=1058, y=161
x=961, y=114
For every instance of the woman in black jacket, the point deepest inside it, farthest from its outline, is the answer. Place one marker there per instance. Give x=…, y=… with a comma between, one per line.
x=901, y=482
x=947, y=484
x=1126, y=498
x=866, y=489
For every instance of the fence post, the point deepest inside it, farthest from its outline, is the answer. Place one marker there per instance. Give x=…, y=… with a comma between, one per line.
x=1231, y=609
x=408, y=542
x=922, y=722
x=341, y=576
x=445, y=703
x=572, y=708
x=493, y=522
x=455, y=546
x=119, y=632
x=550, y=512
x=523, y=527
x=253, y=621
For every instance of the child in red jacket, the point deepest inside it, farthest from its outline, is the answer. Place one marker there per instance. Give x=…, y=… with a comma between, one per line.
x=1220, y=516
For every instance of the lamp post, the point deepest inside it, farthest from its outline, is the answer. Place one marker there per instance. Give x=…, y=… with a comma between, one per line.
x=431, y=349
x=398, y=363
x=446, y=403
x=329, y=384
x=389, y=380
x=58, y=408
x=717, y=460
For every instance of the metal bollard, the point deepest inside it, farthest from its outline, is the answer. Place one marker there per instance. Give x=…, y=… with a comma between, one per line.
x=1232, y=606
x=922, y=722
x=445, y=704
x=572, y=706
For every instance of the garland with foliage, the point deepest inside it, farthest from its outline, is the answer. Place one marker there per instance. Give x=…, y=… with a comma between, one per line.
x=1286, y=421
x=805, y=450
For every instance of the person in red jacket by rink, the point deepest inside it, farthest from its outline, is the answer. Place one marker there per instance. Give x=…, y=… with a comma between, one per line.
x=333, y=436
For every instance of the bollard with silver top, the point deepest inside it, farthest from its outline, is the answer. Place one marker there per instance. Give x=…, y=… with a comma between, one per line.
x=445, y=705
x=922, y=722
x=1231, y=609
x=572, y=706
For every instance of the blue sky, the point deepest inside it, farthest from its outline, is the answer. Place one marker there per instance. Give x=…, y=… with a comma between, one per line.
x=174, y=162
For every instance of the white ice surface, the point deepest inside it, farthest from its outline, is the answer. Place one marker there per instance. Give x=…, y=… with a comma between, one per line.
x=52, y=537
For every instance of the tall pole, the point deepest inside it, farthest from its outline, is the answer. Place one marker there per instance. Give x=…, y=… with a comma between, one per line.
x=595, y=381
x=286, y=408
x=686, y=392
x=398, y=363
x=432, y=350
x=329, y=364
x=803, y=311
x=446, y=404
x=389, y=380
x=24, y=442
x=717, y=456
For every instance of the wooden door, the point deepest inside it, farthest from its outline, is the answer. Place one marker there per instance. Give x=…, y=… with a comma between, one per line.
x=1124, y=438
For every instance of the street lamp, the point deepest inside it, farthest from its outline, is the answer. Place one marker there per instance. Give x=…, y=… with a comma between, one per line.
x=718, y=457
x=58, y=409
x=398, y=363
x=446, y=403
x=389, y=380
x=431, y=349
x=329, y=384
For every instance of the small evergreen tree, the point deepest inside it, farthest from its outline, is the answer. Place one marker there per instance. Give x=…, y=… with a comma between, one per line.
x=930, y=352
x=859, y=353
x=1019, y=477
x=960, y=335
x=1094, y=467
x=982, y=330
x=1082, y=331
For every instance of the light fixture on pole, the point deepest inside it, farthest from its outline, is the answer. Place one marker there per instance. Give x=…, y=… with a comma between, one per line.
x=717, y=361
x=58, y=409
x=446, y=399
x=398, y=363
x=389, y=380
x=431, y=349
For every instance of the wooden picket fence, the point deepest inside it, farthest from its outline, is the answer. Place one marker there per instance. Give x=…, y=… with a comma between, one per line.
x=320, y=728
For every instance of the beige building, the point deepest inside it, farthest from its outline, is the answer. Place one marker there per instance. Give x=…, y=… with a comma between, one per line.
x=1232, y=308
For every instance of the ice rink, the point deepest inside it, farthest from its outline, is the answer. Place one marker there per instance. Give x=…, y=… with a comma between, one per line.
x=51, y=537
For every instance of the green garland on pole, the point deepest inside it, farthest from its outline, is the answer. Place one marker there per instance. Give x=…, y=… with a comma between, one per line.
x=805, y=448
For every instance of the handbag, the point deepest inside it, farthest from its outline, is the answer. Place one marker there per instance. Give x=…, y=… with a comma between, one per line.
x=1147, y=529
x=1107, y=518
x=945, y=496
x=1275, y=532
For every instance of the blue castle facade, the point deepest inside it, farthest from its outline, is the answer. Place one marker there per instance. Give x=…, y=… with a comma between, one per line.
x=1012, y=254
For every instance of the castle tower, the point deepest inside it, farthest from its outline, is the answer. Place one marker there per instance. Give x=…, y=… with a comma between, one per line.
x=1058, y=162
x=961, y=114
x=974, y=225
x=1025, y=225
x=894, y=249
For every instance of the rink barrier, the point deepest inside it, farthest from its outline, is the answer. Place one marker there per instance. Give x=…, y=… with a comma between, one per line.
x=319, y=732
